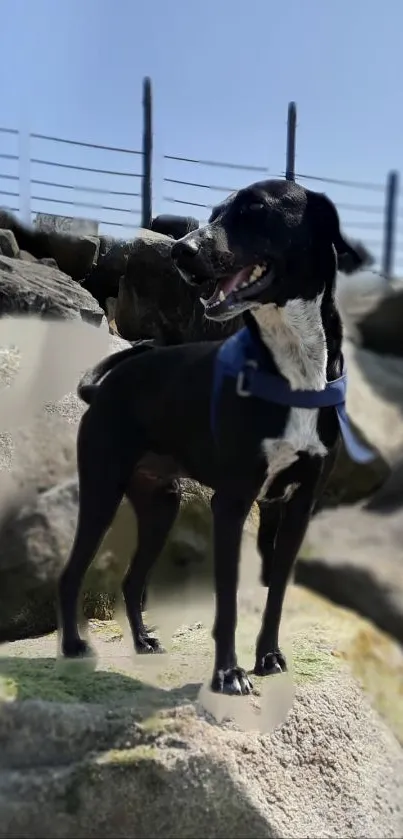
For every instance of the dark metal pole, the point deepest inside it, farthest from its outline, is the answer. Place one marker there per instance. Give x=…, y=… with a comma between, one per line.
x=291, y=140
x=146, y=202
x=392, y=189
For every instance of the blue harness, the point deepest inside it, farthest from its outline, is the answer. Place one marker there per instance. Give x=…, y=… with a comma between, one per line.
x=241, y=358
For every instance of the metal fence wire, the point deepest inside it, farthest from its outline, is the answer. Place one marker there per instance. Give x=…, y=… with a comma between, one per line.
x=111, y=187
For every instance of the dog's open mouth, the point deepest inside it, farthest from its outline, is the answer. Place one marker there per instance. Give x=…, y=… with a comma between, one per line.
x=233, y=292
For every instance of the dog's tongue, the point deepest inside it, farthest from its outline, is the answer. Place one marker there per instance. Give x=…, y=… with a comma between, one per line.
x=229, y=284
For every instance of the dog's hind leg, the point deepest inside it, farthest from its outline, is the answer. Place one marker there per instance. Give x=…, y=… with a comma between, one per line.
x=156, y=505
x=293, y=524
x=105, y=457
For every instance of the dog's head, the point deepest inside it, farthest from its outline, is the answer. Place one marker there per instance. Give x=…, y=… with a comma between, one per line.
x=271, y=242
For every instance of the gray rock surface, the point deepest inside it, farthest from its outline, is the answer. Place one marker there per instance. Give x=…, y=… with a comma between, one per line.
x=40, y=511
x=154, y=301
x=8, y=244
x=103, y=279
x=381, y=329
x=373, y=311
x=27, y=287
x=354, y=557
x=375, y=406
x=125, y=751
x=74, y=255
x=35, y=539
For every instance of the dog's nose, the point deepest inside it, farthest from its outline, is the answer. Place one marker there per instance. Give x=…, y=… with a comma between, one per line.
x=184, y=251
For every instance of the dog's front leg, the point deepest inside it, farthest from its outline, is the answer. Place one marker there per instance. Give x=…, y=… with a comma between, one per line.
x=229, y=514
x=278, y=559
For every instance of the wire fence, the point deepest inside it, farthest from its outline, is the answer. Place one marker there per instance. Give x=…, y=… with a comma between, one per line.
x=110, y=187
x=9, y=169
x=108, y=197
x=360, y=219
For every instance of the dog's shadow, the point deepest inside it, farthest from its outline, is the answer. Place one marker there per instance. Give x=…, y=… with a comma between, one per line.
x=26, y=678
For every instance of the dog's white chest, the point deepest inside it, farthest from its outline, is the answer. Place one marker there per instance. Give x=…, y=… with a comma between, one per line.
x=296, y=339
x=300, y=435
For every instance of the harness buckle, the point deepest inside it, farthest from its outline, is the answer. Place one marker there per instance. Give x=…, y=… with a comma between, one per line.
x=242, y=378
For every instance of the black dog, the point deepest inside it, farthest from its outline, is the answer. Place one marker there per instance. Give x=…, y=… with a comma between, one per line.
x=271, y=250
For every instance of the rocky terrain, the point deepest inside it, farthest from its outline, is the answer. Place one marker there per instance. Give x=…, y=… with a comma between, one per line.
x=130, y=750
x=83, y=751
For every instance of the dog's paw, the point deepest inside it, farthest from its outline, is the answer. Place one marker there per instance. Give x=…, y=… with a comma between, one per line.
x=270, y=664
x=233, y=682
x=146, y=645
x=77, y=648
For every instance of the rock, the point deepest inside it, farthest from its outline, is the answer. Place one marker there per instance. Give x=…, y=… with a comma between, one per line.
x=8, y=244
x=31, y=288
x=74, y=255
x=81, y=752
x=375, y=406
x=381, y=329
x=375, y=398
x=40, y=453
x=155, y=302
x=373, y=311
x=174, y=226
x=37, y=535
x=44, y=449
x=41, y=458
x=27, y=257
x=390, y=496
x=103, y=279
x=35, y=540
x=350, y=482
x=354, y=557
x=48, y=260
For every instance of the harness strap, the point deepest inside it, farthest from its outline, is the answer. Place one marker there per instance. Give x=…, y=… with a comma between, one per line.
x=239, y=358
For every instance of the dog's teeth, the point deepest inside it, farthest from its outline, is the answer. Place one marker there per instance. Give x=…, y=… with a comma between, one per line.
x=257, y=272
x=221, y=296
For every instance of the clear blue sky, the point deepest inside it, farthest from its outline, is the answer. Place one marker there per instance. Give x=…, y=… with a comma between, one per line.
x=222, y=72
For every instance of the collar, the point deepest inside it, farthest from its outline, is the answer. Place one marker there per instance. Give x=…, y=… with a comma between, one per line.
x=242, y=358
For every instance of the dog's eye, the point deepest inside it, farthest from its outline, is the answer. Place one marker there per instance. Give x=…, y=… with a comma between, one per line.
x=256, y=206
x=253, y=207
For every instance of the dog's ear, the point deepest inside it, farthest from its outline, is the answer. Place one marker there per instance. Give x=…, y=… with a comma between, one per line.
x=325, y=222
x=347, y=265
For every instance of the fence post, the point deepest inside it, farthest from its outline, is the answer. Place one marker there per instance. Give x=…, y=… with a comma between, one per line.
x=291, y=138
x=392, y=189
x=146, y=187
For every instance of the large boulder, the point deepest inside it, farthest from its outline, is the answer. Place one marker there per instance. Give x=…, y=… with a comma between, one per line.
x=39, y=513
x=41, y=450
x=30, y=288
x=354, y=557
x=375, y=406
x=372, y=308
x=8, y=244
x=174, y=226
x=381, y=329
x=125, y=752
x=155, y=302
x=74, y=255
x=104, y=278
x=35, y=540
x=390, y=495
